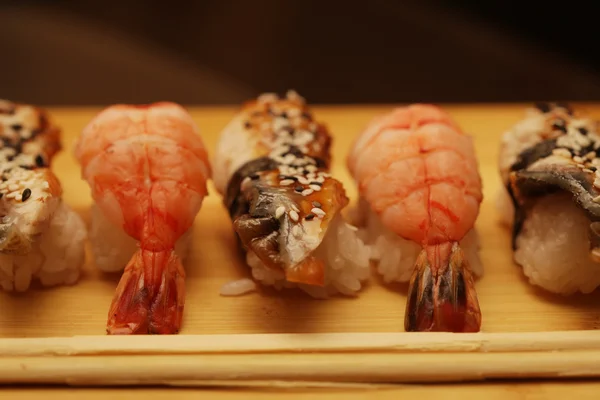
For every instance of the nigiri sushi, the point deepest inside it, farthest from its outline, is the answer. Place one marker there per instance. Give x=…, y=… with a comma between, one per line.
x=41, y=237
x=551, y=197
x=420, y=192
x=272, y=167
x=147, y=168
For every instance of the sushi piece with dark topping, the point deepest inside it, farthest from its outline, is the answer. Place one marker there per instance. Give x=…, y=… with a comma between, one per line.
x=272, y=167
x=41, y=238
x=551, y=197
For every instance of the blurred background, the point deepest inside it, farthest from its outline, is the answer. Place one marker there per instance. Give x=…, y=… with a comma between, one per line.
x=77, y=52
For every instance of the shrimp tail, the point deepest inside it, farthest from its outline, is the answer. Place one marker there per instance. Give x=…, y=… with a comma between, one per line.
x=441, y=294
x=150, y=295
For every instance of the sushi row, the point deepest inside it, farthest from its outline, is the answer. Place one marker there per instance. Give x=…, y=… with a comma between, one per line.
x=419, y=197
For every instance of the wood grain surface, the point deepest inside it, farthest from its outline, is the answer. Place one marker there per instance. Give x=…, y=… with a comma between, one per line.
x=508, y=302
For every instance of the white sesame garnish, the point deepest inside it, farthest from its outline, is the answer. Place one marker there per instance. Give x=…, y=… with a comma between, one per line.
x=294, y=96
x=267, y=98
x=303, y=180
x=562, y=152
x=320, y=179
x=316, y=188
x=307, y=192
x=294, y=216
x=280, y=123
x=589, y=171
x=289, y=159
x=279, y=212
x=318, y=212
x=591, y=155
x=286, y=182
x=578, y=159
x=18, y=197
x=12, y=187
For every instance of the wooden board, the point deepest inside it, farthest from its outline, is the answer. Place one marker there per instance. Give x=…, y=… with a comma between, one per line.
x=508, y=303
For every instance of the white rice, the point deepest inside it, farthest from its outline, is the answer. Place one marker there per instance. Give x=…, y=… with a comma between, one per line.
x=238, y=287
x=347, y=264
x=56, y=258
x=112, y=248
x=397, y=256
x=553, y=247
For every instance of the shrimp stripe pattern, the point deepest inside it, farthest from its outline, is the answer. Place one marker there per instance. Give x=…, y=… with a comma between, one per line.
x=147, y=168
x=417, y=171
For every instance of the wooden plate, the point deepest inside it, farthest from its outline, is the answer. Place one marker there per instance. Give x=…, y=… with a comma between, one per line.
x=341, y=339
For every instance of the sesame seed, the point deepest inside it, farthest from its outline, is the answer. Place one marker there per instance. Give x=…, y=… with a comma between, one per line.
x=578, y=159
x=320, y=179
x=26, y=194
x=591, y=155
x=299, y=189
x=286, y=182
x=303, y=180
x=317, y=204
x=311, y=216
x=294, y=216
x=589, y=171
x=593, y=169
x=279, y=212
x=307, y=192
x=318, y=212
x=254, y=177
x=295, y=208
x=311, y=168
x=316, y=188
x=583, y=131
x=18, y=197
x=12, y=187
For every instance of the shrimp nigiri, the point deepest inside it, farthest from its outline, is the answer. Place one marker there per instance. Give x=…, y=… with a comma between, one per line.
x=147, y=168
x=420, y=193
x=272, y=167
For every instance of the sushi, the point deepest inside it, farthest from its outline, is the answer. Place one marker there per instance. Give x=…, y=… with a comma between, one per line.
x=420, y=193
x=147, y=167
x=550, y=197
x=272, y=167
x=41, y=238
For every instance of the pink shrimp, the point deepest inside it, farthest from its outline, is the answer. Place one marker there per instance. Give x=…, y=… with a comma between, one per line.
x=147, y=168
x=417, y=171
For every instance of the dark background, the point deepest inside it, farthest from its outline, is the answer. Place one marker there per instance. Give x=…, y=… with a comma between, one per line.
x=69, y=52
